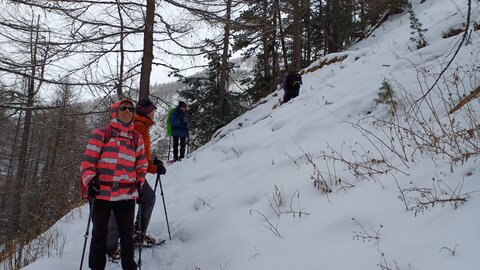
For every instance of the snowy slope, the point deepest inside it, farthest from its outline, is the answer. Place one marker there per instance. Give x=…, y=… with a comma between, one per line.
x=221, y=199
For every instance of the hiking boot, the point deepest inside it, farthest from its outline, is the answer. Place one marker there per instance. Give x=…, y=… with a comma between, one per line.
x=115, y=254
x=148, y=240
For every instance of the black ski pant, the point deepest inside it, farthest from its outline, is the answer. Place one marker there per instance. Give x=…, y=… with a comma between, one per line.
x=124, y=213
x=291, y=93
x=183, y=142
x=147, y=204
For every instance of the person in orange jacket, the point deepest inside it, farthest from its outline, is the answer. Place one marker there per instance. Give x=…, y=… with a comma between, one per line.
x=143, y=120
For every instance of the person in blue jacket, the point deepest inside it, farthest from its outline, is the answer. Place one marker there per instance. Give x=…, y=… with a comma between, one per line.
x=180, y=122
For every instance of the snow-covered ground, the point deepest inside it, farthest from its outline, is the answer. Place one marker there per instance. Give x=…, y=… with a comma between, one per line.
x=235, y=203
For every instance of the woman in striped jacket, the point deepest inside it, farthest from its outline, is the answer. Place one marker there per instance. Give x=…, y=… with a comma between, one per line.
x=113, y=169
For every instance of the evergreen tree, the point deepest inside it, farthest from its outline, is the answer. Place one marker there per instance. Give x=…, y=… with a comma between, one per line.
x=338, y=24
x=256, y=82
x=202, y=93
x=386, y=96
x=372, y=10
x=256, y=33
x=416, y=35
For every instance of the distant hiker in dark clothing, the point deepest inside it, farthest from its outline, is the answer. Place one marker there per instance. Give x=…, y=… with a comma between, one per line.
x=143, y=120
x=113, y=169
x=291, y=85
x=180, y=122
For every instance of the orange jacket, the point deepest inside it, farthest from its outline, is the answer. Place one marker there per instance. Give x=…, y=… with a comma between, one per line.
x=142, y=125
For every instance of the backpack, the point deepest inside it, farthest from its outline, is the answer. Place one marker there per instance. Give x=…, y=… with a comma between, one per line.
x=292, y=81
x=106, y=139
x=169, y=124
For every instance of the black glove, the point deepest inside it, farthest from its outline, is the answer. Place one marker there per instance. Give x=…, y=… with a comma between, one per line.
x=94, y=187
x=140, y=193
x=160, y=168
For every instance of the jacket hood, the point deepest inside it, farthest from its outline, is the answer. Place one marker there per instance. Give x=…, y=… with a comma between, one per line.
x=144, y=107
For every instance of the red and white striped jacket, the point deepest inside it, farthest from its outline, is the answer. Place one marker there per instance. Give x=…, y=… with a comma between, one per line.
x=118, y=163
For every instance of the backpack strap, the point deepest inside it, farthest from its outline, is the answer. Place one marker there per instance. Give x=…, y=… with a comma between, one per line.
x=108, y=136
x=135, y=139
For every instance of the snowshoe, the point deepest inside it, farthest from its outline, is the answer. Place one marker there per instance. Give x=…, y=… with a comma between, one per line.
x=148, y=241
x=114, y=256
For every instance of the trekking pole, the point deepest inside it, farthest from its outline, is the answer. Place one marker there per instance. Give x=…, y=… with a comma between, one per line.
x=86, y=233
x=141, y=231
x=163, y=199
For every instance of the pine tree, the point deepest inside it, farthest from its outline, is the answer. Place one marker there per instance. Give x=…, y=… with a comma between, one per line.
x=256, y=82
x=256, y=32
x=416, y=35
x=202, y=93
x=386, y=96
x=372, y=10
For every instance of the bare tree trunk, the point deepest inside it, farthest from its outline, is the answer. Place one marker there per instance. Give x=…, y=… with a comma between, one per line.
x=147, y=59
x=12, y=150
x=275, y=65
x=329, y=29
x=11, y=160
x=223, y=84
x=53, y=150
x=122, y=53
x=19, y=259
x=17, y=201
x=282, y=36
x=19, y=210
x=297, y=35
x=266, y=50
x=38, y=160
x=363, y=18
x=308, y=35
x=22, y=159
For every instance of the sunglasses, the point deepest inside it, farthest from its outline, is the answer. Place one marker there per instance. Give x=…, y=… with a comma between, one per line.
x=131, y=109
